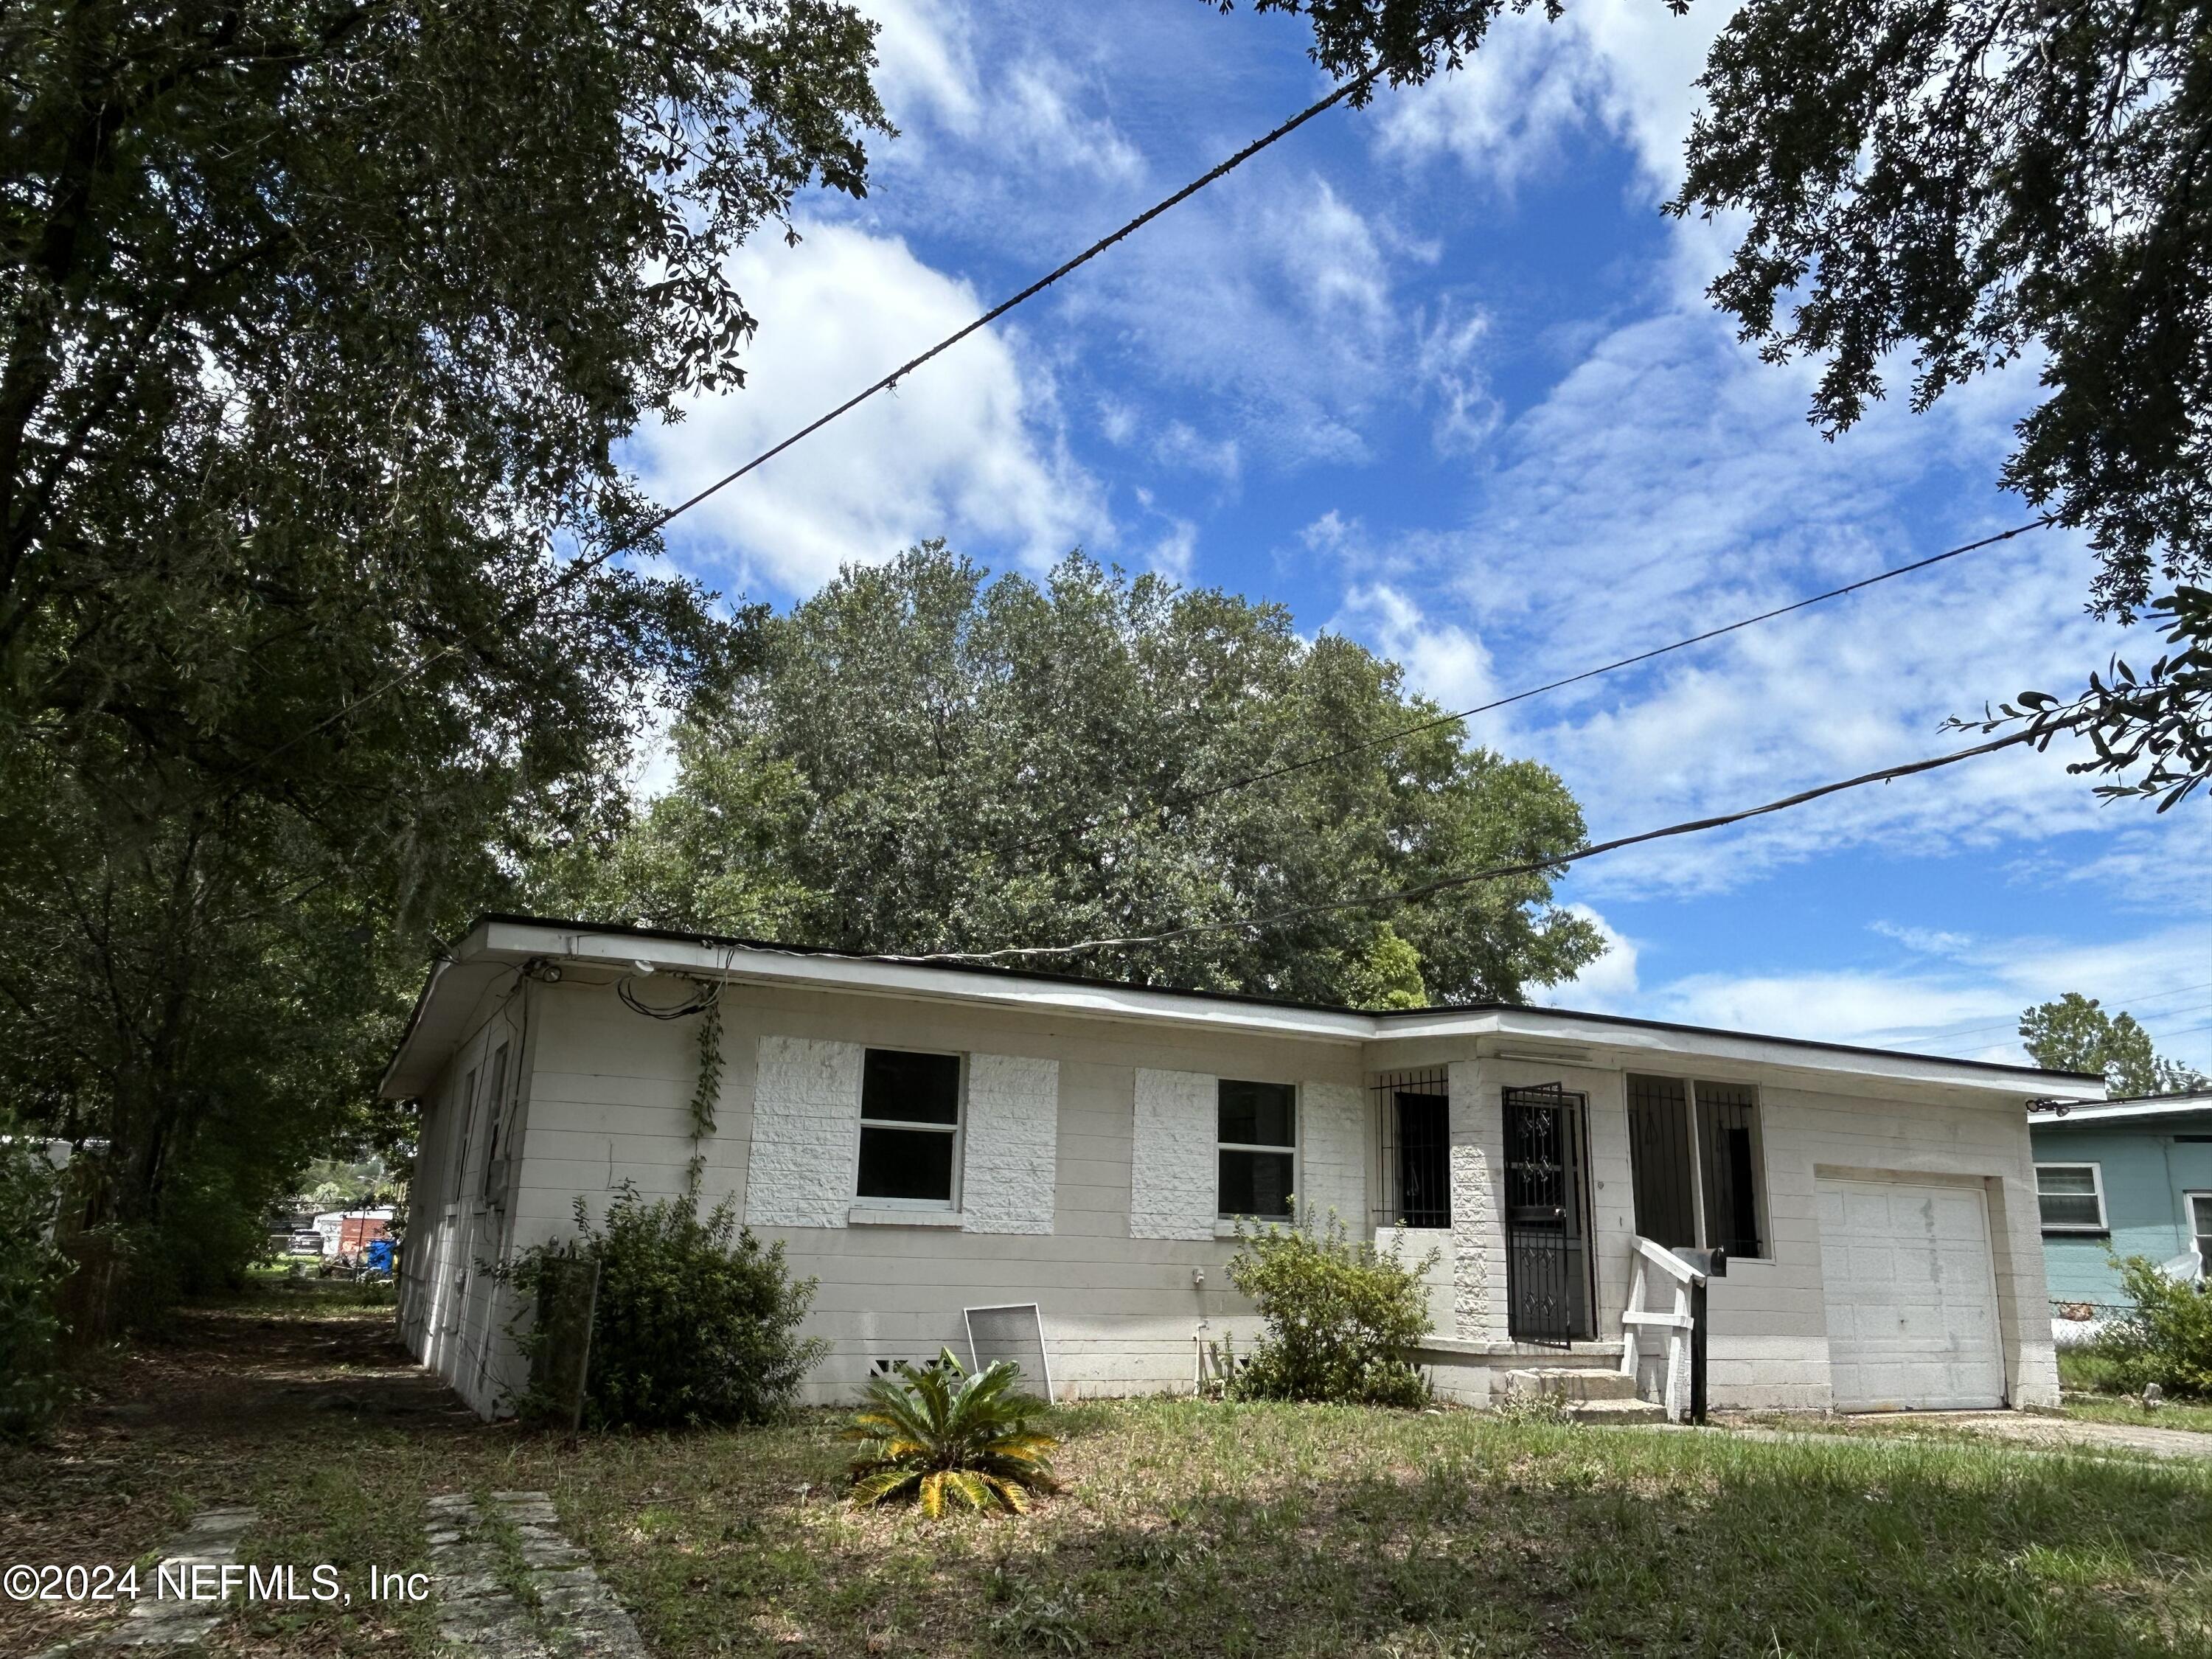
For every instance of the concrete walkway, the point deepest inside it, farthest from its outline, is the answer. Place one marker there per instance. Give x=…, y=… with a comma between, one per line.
x=174, y=1620
x=2027, y=1430
x=510, y=1587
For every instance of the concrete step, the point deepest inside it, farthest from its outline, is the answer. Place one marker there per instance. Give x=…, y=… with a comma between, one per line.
x=1618, y=1411
x=1573, y=1383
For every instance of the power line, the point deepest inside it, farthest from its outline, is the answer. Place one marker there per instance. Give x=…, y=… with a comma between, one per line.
x=582, y=566
x=1192, y=798
x=2040, y=737
x=1343, y=91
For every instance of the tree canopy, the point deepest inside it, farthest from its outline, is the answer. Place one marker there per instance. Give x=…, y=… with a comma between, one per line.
x=921, y=759
x=322, y=319
x=2075, y=1034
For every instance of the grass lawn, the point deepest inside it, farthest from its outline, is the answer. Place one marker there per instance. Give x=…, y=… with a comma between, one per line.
x=2120, y=1409
x=1188, y=1529
x=2094, y=1395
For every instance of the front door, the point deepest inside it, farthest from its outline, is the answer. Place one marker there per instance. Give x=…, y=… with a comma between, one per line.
x=1549, y=1285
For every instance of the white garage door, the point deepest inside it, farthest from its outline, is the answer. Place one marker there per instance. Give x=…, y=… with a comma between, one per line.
x=1912, y=1303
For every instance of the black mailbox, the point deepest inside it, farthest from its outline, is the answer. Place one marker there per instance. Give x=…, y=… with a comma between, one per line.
x=1711, y=1263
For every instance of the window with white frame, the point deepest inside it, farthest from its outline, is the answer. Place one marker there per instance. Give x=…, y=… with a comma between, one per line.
x=2200, y=1219
x=2072, y=1197
x=1258, y=1144
x=909, y=1127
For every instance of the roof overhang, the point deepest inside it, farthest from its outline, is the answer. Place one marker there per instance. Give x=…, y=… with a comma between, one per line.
x=498, y=948
x=2194, y=1108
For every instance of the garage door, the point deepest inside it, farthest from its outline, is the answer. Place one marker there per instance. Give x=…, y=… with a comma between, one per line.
x=1912, y=1303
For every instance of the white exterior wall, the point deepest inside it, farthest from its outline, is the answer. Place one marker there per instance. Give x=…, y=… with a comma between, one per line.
x=1172, y=1157
x=1768, y=1321
x=1088, y=1185
x=1009, y=1167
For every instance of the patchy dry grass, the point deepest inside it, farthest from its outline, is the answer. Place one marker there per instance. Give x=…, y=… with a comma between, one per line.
x=1187, y=1529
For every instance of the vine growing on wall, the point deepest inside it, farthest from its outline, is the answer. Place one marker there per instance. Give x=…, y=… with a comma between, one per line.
x=706, y=1001
x=708, y=1087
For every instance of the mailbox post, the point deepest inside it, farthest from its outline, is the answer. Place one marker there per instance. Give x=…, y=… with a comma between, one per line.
x=1707, y=1264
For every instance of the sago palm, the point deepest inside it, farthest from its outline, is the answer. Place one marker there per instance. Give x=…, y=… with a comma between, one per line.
x=938, y=1433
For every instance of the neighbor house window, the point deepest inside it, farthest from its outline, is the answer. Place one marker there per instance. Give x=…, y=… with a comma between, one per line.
x=2072, y=1197
x=1259, y=1140
x=2200, y=1217
x=909, y=1127
x=1695, y=1164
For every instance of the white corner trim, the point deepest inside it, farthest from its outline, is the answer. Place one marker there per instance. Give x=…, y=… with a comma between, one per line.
x=1012, y=1144
x=806, y=1133
x=1174, y=1185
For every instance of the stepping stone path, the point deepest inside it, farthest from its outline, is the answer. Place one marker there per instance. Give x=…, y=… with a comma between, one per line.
x=153, y=1621
x=577, y=1616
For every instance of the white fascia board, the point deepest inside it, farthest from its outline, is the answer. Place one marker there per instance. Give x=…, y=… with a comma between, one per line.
x=870, y=976
x=2105, y=1112
x=1607, y=1042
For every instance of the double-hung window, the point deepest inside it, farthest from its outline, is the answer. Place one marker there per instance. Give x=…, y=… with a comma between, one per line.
x=1258, y=1137
x=1695, y=1165
x=2072, y=1197
x=2200, y=1219
x=909, y=1127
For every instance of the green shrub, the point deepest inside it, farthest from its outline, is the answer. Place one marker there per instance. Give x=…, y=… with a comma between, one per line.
x=2165, y=1335
x=31, y=1271
x=1340, y=1314
x=696, y=1322
x=935, y=1433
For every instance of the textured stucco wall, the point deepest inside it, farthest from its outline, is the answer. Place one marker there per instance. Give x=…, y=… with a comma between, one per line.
x=1332, y=1152
x=1012, y=1136
x=806, y=1132
x=1478, y=1253
x=1172, y=1182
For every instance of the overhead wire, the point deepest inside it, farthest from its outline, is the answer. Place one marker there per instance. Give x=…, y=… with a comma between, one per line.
x=583, y=565
x=1183, y=798
x=2039, y=736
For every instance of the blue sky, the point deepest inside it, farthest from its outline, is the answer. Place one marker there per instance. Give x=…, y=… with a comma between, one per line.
x=1437, y=375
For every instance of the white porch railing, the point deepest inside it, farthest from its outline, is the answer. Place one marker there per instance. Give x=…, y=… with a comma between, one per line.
x=1659, y=1268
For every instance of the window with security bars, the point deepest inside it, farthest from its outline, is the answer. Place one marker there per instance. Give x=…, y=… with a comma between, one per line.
x=2072, y=1197
x=1696, y=1163
x=1412, y=1118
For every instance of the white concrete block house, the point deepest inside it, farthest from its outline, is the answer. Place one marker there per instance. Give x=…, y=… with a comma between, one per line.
x=926, y=1139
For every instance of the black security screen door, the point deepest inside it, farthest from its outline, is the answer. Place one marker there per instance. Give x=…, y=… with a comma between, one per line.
x=1548, y=1283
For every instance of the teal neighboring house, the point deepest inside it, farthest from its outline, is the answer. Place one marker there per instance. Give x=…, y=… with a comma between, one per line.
x=2135, y=1175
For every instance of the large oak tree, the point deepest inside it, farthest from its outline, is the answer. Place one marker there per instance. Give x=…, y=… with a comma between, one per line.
x=319, y=322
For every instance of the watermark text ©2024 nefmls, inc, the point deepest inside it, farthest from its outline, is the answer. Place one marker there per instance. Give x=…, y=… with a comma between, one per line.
x=206, y=1581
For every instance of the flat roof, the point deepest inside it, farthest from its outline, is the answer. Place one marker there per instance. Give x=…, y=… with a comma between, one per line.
x=499, y=943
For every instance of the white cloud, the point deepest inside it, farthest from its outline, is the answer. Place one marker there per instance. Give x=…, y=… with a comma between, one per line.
x=1966, y=1005
x=1448, y=363
x=1263, y=312
x=1608, y=985
x=1510, y=117
x=968, y=447
x=1442, y=661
